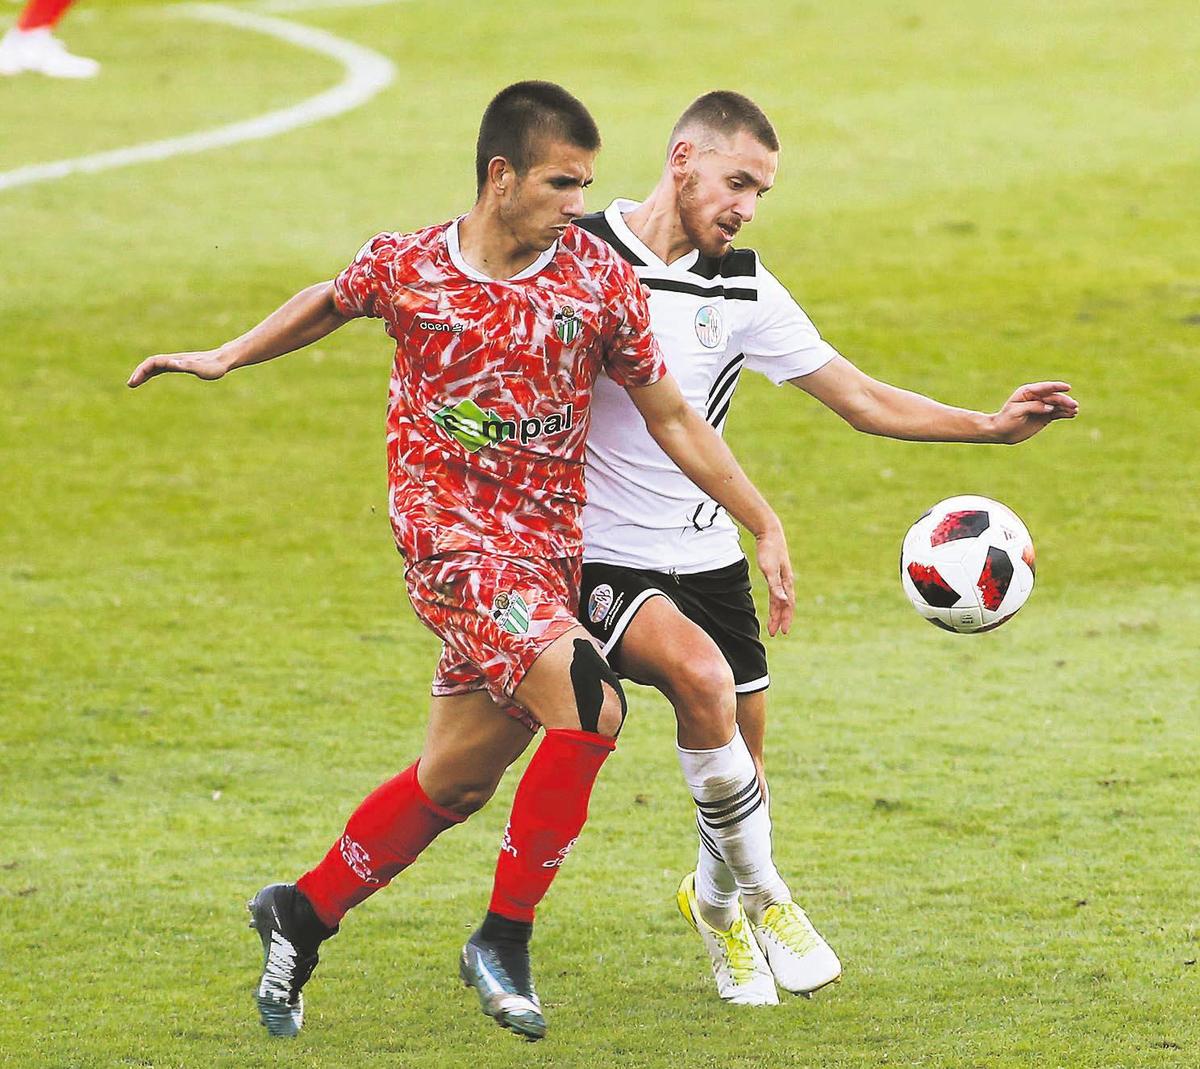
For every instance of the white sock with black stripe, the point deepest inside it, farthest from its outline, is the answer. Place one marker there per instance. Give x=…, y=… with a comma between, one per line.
x=735, y=833
x=716, y=889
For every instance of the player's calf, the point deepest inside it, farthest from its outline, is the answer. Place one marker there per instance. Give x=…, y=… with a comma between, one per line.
x=548, y=814
x=384, y=835
x=735, y=855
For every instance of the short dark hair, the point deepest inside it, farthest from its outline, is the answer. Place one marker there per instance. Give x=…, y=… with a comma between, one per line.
x=727, y=112
x=525, y=113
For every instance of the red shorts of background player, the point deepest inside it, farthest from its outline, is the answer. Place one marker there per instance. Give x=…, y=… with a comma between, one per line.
x=494, y=615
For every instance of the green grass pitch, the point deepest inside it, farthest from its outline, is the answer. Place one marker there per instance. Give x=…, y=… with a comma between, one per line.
x=205, y=654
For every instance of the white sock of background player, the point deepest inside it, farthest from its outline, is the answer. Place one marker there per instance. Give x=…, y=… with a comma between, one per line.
x=735, y=834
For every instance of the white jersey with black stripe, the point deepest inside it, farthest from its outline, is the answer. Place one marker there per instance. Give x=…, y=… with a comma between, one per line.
x=712, y=319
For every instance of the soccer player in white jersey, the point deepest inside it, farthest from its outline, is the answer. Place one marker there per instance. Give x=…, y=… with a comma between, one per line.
x=666, y=588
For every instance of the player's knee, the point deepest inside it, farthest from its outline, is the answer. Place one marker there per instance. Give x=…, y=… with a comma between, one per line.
x=599, y=699
x=612, y=712
x=705, y=684
x=701, y=690
x=467, y=797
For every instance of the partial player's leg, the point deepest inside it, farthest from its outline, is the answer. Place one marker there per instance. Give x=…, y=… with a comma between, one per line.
x=571, y=690
x=660, y=630
x=661, y=647
x=666, y=649
x=700, y=646
x=468, y=745
x=752, y=723
x=511, y=623
x=31, y=45
x=720, y=602
x=800, y=959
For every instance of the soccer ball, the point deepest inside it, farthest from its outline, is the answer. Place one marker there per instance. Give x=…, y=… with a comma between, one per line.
x=967, y=565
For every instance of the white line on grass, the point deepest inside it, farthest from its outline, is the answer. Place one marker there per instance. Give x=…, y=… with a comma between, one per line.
x=367, y=73
x=286, y=6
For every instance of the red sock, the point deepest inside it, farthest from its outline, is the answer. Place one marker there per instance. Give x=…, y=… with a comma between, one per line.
x=39, y=13
x=547, y=815
x=384, y=835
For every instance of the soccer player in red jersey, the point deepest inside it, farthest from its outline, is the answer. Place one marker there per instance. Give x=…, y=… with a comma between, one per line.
x=503, y=319
x=31, y=45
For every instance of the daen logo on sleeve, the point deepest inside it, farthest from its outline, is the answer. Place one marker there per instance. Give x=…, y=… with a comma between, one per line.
x=439, y=326
x=511, y=612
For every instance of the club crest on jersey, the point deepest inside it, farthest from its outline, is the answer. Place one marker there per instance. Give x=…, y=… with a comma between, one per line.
x=710, y=326
x=567, y=324
x=600, y=602
x=510, y=612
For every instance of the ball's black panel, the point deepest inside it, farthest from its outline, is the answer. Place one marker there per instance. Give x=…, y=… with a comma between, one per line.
x=931, y=586
x=995, y=578
x=940, y=623
x=967, y=523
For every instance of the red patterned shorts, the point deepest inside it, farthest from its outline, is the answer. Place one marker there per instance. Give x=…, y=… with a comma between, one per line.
x=494, y=615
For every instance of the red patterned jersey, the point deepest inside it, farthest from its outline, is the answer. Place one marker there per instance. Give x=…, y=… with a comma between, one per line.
x=489, y=404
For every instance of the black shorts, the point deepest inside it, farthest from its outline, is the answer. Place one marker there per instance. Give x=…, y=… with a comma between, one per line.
x=718, y=602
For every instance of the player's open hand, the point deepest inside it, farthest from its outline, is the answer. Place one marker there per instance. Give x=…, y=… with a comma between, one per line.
x=776, y=566
x=205, y=365
x=1031, y=408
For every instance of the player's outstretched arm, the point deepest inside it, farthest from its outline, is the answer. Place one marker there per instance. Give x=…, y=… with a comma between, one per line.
x=874, y=407
x=705, y=459
x=306, y=318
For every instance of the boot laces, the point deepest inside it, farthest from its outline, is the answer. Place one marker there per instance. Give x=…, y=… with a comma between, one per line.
x=788, y=923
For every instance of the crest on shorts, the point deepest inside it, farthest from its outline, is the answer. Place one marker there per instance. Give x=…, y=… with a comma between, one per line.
x=567, y=324
x=510, y=612
x=600, y=602
x=710, y=327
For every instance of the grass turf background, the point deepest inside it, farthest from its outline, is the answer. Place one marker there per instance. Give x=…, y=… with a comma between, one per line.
x=206, y=660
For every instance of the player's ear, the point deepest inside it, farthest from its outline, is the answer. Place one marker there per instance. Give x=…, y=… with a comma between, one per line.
x=679, y=159
x=500, y=175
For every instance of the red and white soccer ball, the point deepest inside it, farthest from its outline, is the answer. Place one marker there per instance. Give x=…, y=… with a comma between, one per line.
x=967, y=565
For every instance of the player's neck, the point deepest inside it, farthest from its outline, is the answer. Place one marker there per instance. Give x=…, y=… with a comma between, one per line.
x=656, y=223
x=490, y=247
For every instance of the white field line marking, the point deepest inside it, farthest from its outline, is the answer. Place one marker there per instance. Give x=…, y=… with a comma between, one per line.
x=367, y=73
x=283, y=7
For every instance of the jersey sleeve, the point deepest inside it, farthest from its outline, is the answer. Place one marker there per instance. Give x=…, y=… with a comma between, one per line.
x=357, y=289
x=632, y=356
x=781, y=341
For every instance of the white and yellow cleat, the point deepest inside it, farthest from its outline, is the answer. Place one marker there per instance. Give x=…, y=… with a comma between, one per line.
x=801, y=961
x=742, y=973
